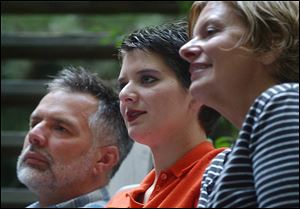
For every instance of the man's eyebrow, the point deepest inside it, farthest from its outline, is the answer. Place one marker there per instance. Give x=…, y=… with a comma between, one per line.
x=35, y=117
x=55, y=119
x=63, y=121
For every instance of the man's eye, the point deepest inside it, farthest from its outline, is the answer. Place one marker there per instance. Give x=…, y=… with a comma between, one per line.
x=60, y=129
x=32, y=124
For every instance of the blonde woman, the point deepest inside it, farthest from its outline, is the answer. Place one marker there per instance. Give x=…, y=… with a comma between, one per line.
x=244, y=62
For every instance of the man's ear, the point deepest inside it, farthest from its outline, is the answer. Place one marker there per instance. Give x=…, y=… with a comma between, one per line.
x=107, y=158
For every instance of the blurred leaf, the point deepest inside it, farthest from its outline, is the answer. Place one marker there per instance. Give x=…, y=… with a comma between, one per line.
x=15, y=118
x=15, y=69
x=185, y=6
x=224, y=141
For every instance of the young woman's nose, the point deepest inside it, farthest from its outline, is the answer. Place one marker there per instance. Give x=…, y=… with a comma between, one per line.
x=128, y=95
x=190, y=52
x=38, y=136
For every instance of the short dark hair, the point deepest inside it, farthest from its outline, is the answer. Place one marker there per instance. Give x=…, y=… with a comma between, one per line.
x=166, y=40
x=107, y=124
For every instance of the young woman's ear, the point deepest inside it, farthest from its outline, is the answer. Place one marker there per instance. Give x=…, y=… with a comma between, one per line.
x=107, y=158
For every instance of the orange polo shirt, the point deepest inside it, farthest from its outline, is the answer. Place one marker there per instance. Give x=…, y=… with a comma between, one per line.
x=177, y=187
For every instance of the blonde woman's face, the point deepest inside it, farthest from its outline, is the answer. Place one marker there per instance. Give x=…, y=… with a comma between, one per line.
x=217, y=68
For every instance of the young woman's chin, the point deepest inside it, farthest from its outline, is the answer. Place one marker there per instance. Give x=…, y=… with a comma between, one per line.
x=136, y=134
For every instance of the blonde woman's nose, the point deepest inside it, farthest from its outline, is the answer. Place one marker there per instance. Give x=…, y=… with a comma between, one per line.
x=189, y=52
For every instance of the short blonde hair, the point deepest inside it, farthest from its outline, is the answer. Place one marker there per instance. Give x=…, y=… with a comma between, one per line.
x=272, y=26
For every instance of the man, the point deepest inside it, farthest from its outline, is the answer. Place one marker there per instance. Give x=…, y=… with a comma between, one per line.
x=76, y=142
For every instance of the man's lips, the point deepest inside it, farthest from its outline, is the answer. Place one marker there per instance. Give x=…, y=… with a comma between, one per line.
x=132, y=115
x=36, y=160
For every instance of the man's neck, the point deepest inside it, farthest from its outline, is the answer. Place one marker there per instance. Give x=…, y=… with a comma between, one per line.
x=59, y=196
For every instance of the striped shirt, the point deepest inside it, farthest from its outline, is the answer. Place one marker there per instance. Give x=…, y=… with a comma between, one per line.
x=210, y=177
x=262, y=170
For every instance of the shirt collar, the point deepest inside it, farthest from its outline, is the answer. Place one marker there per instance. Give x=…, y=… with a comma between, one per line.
x=190, y=158
x=182, y=166
x=81, y=201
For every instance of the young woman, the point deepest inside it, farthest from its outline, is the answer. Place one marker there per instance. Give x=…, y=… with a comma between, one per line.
x=244, y=62
x=160, y=113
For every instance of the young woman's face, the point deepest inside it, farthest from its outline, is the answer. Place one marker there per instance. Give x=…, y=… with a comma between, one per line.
x=152, y=101
x=216, y=67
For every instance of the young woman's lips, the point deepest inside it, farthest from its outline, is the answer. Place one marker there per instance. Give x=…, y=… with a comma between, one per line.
x=132, y=115
x=36, y=160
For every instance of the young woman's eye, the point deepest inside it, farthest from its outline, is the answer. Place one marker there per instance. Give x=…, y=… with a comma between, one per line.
x=148, y=79
x=121, y=85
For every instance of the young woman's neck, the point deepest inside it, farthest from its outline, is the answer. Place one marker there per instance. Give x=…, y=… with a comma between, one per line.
x=177, y=144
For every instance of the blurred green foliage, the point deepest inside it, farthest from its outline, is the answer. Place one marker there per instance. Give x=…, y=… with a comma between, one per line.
x=185, y=6
x=43, y=69
x=58, y=24
x=224, y=141
x=111, y=29
x=224, y=134
x=15, y=118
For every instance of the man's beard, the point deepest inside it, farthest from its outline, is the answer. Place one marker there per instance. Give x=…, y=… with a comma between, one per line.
x=57, y=176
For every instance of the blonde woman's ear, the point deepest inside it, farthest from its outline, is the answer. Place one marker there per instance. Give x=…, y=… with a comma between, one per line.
x=270, y=57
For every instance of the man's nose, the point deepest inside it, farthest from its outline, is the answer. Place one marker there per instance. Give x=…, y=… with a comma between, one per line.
x=38, y=135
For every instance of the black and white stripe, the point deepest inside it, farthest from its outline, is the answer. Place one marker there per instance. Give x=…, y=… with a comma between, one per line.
x=210, y=176
x=262, y=169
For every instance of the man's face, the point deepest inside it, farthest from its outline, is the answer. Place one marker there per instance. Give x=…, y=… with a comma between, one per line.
x=58, y=149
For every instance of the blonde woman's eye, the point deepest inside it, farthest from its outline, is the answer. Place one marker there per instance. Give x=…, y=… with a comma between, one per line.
x=211, y=31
